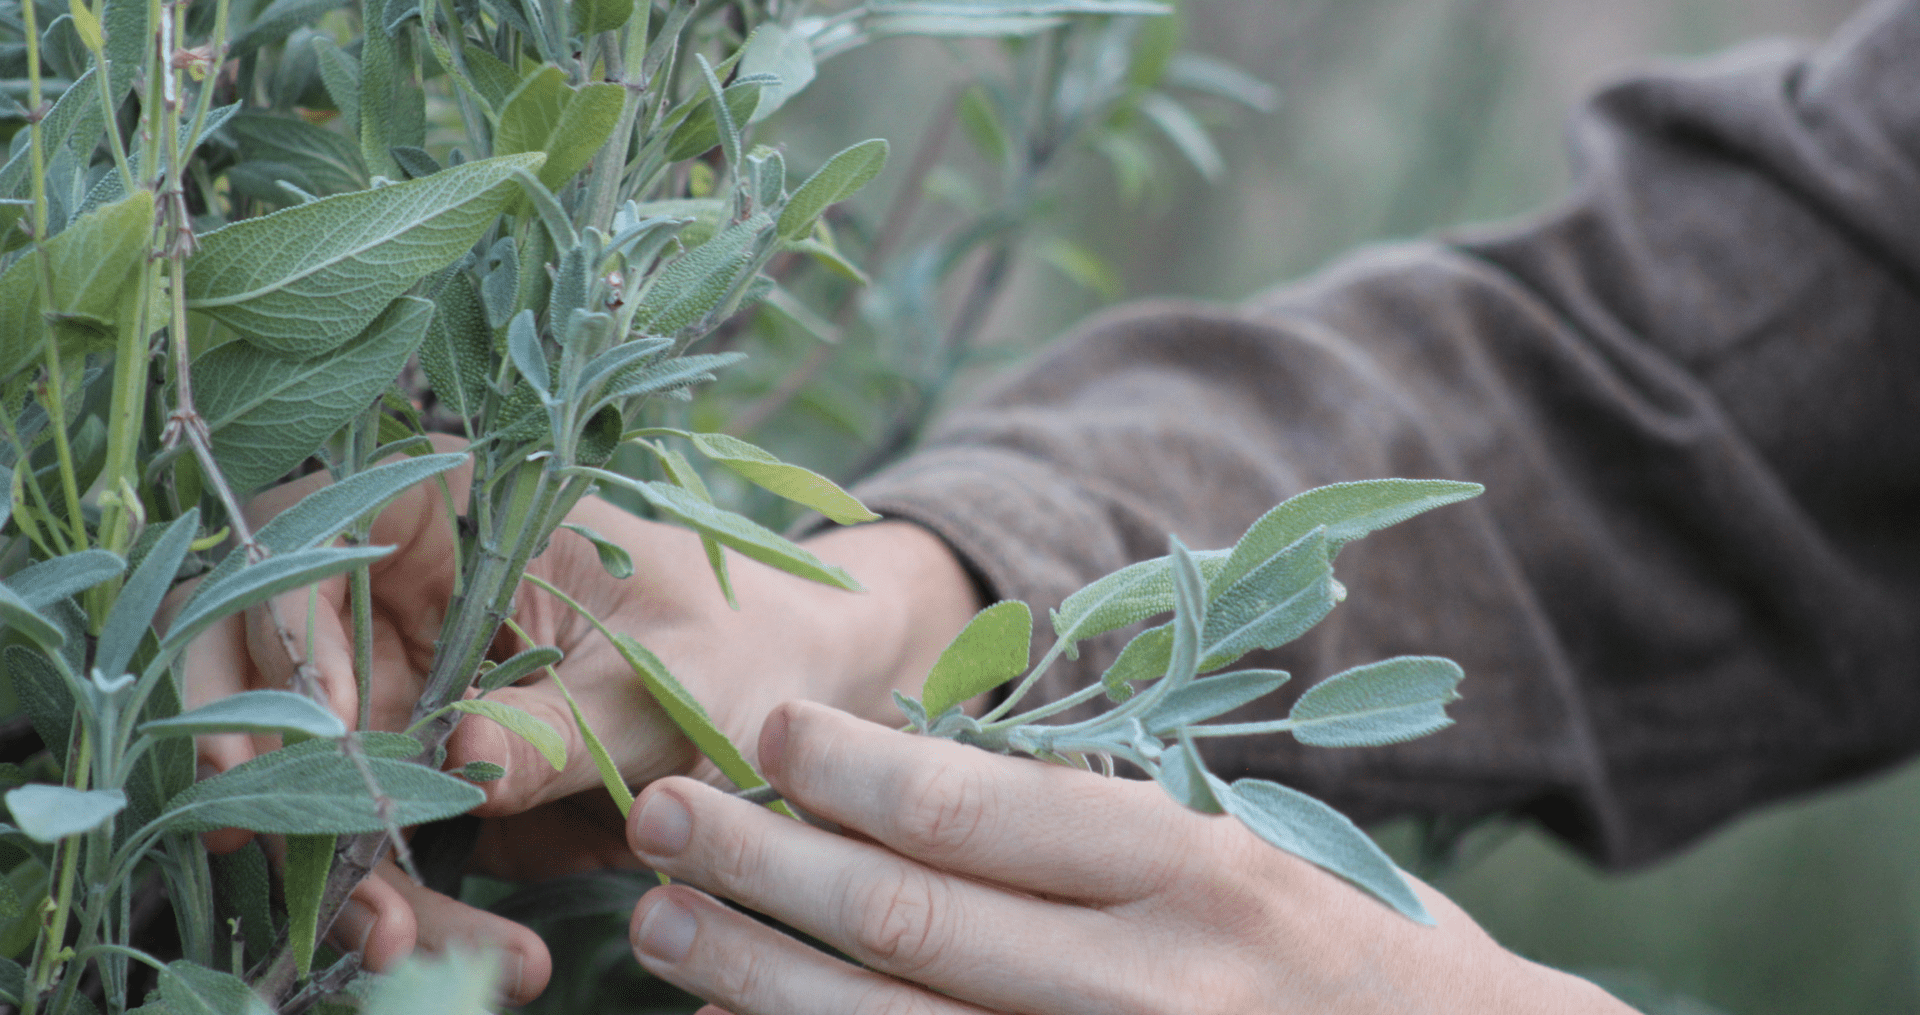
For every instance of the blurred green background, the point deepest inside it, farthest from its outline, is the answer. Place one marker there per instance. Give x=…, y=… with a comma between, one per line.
x=1399, y=117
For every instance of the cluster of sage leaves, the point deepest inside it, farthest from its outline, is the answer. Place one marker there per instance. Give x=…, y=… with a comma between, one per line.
x=228, y=229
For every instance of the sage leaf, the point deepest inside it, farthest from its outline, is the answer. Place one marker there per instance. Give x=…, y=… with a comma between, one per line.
x=458, y=352
x=500, y=286
x=454, y=982
x=687, y=714
x=785, y=54
x=523, y=344
x=841, y=178
x=13, y=978
x=519, y=666
x=1189, y=616
x=417, y=163
x=1348, y=510
x=309, y=858
x=313, y=789
x=596, y=16
x=16, y=614
x=340, y=75
x=259, y=582
x=1213, y=696
x=610, y=776
x=1185, y=778
x=1291, y=820
x=325, y=513
x=94, y=262
x=139, y=599
x=1387, y=702
x=1272, y=604
x=328, y=161
x=611, y=362
x=191, y=989
x=49, y=581
x=482, y=771
x=569, y=125
x=695, y=284
x=1184, y=130
x=1143, y=658
x=802, y=486
x=700, y=131
x=991, y=650
x=543, y=737
x=268, y=413
x=670, y=375
x=743, y=535
x=613, y=557
x=361, y=251
x=51, y=813
x=682, y=473
x=1133, y=593
x=261, y=712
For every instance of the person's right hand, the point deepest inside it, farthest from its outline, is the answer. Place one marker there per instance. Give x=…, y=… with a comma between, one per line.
x=789, y=639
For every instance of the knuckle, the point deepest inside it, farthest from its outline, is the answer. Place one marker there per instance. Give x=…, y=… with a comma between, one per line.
x=944, y=809
x=897, y=920
x=734, y=858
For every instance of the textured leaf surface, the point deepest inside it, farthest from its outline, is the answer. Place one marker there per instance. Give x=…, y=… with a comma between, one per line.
x=329, y=161
x=1348, y=510
x=841, y=178
x=543, y=737
x=694, y=285
x=802, y=486
x=313, y=789
x=51, y=813
x=784, y=54
x=519, y=666
x=743, y=535
x=259, y=582
x=94, y=262
x=252, y=712
x=1185, y=779
x=1291, y=820
x=1272, y=604
x=268, y=412
x=139, y=599
x=357, y=252
x=1133, y=593
x=687, y=713
x=458, y=352
x=991, y=650
x=308, y=859
x=613, y=557
x=1214, y=696
x=189, y=989
x=1386, y=702
x=17, y=614
x=44, y=583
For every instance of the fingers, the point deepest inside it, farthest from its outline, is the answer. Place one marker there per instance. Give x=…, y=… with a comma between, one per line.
x=695, y=943
x=954, y=934
x=389, y=915
x=1031, y=826
x=377, y=922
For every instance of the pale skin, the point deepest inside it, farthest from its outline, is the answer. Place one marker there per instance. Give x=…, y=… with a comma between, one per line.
x=970, y=881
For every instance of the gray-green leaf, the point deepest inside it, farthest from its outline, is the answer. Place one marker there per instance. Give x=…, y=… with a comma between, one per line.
x=51, y=813
x=139, y=599
x=519, y=666
x=1213, y=696
x=262, y=712
x=1387, y=702
x=802, y=486
x=543, y=737
x=49, y=581
x=313, y=789
x=1133, y=593
x=1272, y=604
x=1291, y=820
x=1348, y=510
x=841, y=178
x=190, y=989
x=264, y=580
x=613, y=557
x=358, y=252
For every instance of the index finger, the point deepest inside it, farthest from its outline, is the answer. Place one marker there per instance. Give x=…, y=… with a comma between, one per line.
x=1053, y=831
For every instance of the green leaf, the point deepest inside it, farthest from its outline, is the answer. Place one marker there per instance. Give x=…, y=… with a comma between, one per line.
x=16, y=614
x=543, y=737
x=695, y=284
x=596, y=16
x=190, y=989
x=1202, y=73
x=842, y=177
x=741, y=534
x=138, y=601
x=802, y=486
x=991, y=650
x=700, y=131
x=776, y=50
x=668, y=375
x=325, y=513
x=13, y=979
x=261, y=712
x=313, y=789
x=359, y=251
x=1186, y=133
x=417, y=163
x=1272, y=605
x=309, y=859
x=568, y=124
x=1190, y=615
x=981, y=121
x=95, y=263
x=1143, y=658
x=725, y=123
x=613, y=557
x=682, y=473
x=86, y=24
x=259, y=582
x=50, y=581
x=340, y=74
x=1213, y=696
x=519, y=666
x=276, y=22
x=1133, y=593
x=268, y=412
x=329, y=162
x=1293, y=821
x=482, y=771
x=1348, y=510
x=51, y=813
x=1387, y=702
x=687, y=714
x=493, y=79
x=602, y=761
x=458, y=352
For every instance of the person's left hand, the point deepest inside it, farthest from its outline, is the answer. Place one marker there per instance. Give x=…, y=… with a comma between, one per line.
x=972, y=881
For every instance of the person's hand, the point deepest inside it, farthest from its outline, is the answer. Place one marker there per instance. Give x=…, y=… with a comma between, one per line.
x=789, y=638
x=970, y=881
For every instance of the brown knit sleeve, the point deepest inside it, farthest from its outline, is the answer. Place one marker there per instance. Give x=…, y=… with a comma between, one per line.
x=1693, y=393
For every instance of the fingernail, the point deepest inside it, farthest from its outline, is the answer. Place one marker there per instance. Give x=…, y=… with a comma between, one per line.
x=664, y=828
x=513, y=966
x=666, y=935
x=773, y=741
x=354, y=925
